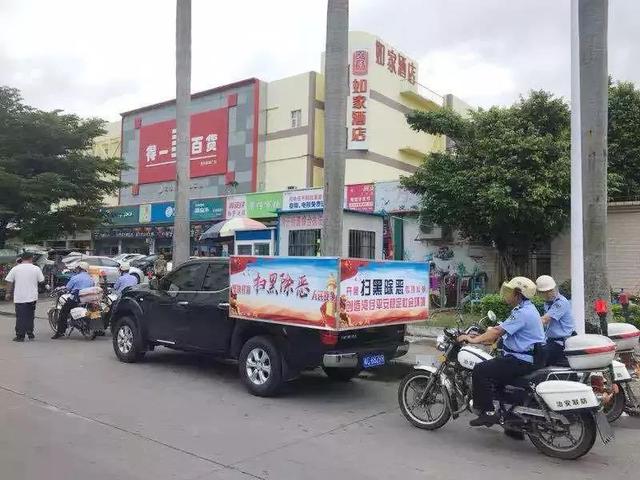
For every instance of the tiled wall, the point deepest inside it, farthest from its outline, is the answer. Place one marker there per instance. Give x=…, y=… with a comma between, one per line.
x=240, y=148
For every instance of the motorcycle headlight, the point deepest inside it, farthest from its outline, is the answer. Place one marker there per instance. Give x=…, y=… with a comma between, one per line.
x=441, y=343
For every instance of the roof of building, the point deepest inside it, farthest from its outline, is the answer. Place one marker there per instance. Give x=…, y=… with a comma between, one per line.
x=203, y=93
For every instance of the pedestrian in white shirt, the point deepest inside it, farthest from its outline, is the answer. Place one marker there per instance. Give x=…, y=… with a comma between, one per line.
x=22, y=283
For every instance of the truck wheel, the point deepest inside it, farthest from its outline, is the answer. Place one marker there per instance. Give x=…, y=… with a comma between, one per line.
x=260, y=366
x=127, y=341
x=341, y=374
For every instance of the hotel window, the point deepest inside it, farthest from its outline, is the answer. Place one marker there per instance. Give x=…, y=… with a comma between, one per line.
x=296, y=118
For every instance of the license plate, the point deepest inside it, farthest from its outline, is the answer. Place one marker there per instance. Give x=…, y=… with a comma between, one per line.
x=604, y=427
x=369, y=361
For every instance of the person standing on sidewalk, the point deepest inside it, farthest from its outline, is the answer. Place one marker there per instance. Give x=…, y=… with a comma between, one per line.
x=23, y=282
x=623, y=298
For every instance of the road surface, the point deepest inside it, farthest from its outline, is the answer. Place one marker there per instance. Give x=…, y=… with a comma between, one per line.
x=70, y=410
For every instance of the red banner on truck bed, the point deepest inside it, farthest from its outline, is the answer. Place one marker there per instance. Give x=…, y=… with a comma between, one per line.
x=207, y=147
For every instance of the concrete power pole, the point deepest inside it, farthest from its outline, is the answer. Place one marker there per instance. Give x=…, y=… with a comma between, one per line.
x=592, y=19
x=335, y=114
x=181, y=226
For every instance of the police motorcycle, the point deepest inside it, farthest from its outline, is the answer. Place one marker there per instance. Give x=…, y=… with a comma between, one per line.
x=89, y=317
x=561, y=417
x=624, y=393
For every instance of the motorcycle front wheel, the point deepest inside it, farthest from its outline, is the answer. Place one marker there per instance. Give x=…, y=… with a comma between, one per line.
x=52, y=315
x=430, y=414
x=566, y=442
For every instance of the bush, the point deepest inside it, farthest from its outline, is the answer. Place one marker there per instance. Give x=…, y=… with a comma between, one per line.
x=502, y=310
x=565, y=288
x=634, y=314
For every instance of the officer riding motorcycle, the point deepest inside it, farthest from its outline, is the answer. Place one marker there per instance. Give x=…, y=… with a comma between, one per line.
x=80, y=280
x=523, y=337
x=557, y=319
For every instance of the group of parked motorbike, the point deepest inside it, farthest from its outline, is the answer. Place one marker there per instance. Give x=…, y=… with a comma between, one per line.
x=560, y=409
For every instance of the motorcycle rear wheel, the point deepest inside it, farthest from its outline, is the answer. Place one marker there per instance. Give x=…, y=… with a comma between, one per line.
x=543, y=440
x=615, y=407
x=411, y=389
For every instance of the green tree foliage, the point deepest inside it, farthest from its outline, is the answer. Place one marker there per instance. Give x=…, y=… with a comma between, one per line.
x=506, y=180
x=50, y=182
x=624, y=140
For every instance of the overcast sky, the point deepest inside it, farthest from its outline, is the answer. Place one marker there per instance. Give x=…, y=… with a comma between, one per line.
x=100, y=58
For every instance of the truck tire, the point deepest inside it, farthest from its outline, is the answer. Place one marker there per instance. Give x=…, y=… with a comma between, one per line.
x=127, y=341
x=260, y=366
x=341, y=374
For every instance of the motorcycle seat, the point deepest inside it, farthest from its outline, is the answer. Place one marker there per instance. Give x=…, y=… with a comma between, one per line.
x=542, y=374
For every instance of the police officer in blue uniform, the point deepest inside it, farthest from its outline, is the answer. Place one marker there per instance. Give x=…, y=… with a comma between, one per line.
x=80, y=280
x=521, y=332
x=557, y=319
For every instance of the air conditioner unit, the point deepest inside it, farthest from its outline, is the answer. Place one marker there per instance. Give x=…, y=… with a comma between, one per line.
x=429, y=231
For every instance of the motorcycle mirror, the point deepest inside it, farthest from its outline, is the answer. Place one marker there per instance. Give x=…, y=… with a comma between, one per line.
x=492, y=316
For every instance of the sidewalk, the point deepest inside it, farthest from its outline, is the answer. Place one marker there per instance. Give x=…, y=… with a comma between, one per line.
x=44, y=304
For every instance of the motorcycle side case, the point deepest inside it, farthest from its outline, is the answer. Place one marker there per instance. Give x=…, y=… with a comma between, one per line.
x=78, y=312
x=620, y=372
x=469, y=356
x=562, y=395
x=589, y=351
x=624, y=335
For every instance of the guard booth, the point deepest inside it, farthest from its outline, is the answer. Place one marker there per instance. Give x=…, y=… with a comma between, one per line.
x=255, y=242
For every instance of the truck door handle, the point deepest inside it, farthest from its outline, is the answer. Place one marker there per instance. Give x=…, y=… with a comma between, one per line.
x=223, y=305
x=183, y=303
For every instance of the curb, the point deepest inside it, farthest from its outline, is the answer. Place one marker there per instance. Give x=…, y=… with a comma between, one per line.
x=424, y=332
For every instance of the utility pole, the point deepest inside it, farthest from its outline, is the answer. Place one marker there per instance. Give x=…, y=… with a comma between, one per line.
x=181, y=226
x=335, y=114
x=577, y=236
x=592, y=26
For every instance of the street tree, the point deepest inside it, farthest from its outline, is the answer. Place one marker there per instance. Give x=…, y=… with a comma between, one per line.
x=50, y=182
x=624, y=140
x=505, y=181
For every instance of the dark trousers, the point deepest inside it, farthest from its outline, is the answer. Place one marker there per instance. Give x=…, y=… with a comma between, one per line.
x=554, y=354
x=24, y=318
x=625, y=311
x=495, y=372
x=63, y=317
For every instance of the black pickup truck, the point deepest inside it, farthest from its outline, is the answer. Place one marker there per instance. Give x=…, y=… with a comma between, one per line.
x=188, y=310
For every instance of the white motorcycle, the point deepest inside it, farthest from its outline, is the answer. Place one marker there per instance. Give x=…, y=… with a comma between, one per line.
x=560, y=417
x=88, y=318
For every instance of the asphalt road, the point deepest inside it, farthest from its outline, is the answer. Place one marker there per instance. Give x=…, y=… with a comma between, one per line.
x=70, y=410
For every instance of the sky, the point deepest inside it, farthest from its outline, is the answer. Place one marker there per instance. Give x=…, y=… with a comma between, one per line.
x=101, y=58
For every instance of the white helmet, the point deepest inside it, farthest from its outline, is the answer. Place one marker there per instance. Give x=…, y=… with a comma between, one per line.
x=526, y=286
x=83, y=266
x=545, y=283
x=124, y=267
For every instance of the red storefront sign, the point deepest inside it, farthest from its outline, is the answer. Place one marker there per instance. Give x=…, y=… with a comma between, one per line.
x=360, y=197
x=207, y=147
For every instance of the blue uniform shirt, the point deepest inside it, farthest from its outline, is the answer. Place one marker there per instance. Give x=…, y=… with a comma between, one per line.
x=124, y=281
x=79, y=281
x=561, y=324
x=524, y=329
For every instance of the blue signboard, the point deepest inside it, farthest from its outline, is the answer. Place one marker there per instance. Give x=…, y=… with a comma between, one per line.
x=162, y=212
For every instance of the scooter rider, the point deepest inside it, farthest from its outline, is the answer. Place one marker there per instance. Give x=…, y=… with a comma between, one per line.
x=521, y=332
x=80, y=280
x=125, y=279
x=557, y=318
